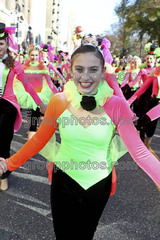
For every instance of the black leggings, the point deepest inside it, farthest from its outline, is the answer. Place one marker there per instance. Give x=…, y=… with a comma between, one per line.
x=35, y=119
x=7, y=118
x=76, y=211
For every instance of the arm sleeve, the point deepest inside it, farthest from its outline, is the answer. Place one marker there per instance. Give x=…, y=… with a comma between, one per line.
x=154, y=113
x=42, y=136
x=128, y=133
x=28, y=87
x=57, y=72
x=112, y=82
x=50, y=84
x=134, y=81
x=141, y=90
x=125, y=80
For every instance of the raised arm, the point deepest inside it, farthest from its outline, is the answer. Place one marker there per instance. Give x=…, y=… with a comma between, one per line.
x=57, y=72
x=121, y=116
x=141, y=90
x=154, y=113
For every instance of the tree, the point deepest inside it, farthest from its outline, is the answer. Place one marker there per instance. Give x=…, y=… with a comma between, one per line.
x=144, y=18
x=122, y=31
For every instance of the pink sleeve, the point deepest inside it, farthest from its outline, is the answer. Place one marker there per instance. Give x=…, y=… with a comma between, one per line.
x=155, y=88
x=125, y=80
x=134, y=81
x=118, y=110
x=112, y=82
x=141, y=90
x=50, y=84
x=28, y=87
x=56, y=71
x=154, y=113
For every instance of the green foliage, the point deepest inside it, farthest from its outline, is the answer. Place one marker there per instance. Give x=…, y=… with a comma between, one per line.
x=138, y=18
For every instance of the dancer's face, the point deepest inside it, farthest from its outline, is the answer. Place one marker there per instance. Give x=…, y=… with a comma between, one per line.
x=150, y=60
x=3, y=48
x=34, y=56
x=87, y=72
x=137, y=62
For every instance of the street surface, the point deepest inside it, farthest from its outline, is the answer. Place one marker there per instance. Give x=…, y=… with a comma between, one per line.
x=133, y=213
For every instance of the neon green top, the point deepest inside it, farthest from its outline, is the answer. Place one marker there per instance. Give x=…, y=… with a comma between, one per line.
x=85, y=155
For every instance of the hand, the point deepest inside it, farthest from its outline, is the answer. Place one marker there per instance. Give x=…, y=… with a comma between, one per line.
x=3, y=166
x=42, y=107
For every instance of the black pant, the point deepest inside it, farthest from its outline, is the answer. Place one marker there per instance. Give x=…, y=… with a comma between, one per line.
x=35, y=119
x=7, y=118
x=76, y=211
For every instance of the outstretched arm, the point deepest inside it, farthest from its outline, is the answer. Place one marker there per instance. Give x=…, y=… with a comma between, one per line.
x=119, y=112
x=141, y=90
x=48, y=127
x=154, y=113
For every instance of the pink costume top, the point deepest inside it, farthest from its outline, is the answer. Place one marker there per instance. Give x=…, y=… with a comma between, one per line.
x=143, y=74
x=7, y=89
x=118, y=111
x=112, y=82
x=36, y=73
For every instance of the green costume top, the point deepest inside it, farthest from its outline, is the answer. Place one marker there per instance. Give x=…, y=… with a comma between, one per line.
x=85, y=155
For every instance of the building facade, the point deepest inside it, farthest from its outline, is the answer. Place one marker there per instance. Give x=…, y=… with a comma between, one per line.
x=49, y=21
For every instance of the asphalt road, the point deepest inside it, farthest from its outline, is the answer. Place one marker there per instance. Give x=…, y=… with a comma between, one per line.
x=133, y=213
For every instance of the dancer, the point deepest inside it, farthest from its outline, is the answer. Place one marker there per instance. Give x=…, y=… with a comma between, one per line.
x=38, y=75
x=149, y=66
x=48, y=59
x=87, y=114
x=129, y=77
x=149, y=96
x=10, y=116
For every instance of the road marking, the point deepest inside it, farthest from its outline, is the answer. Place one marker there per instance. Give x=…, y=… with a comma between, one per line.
x=15, y=193
x=32, y=177
x=35, y=209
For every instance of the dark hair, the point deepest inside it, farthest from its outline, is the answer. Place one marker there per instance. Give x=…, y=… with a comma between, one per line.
x=9, y=61
x=85, y=48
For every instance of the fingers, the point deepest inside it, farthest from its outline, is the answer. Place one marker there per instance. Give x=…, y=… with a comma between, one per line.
x=43, y=108
x=3, y=166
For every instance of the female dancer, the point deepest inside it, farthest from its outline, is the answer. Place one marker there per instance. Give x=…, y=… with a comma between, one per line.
x=10, y=116
x=148, y=67
x=87, y=114
x=37, y=74
x=149, y=95
x=129, y=77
